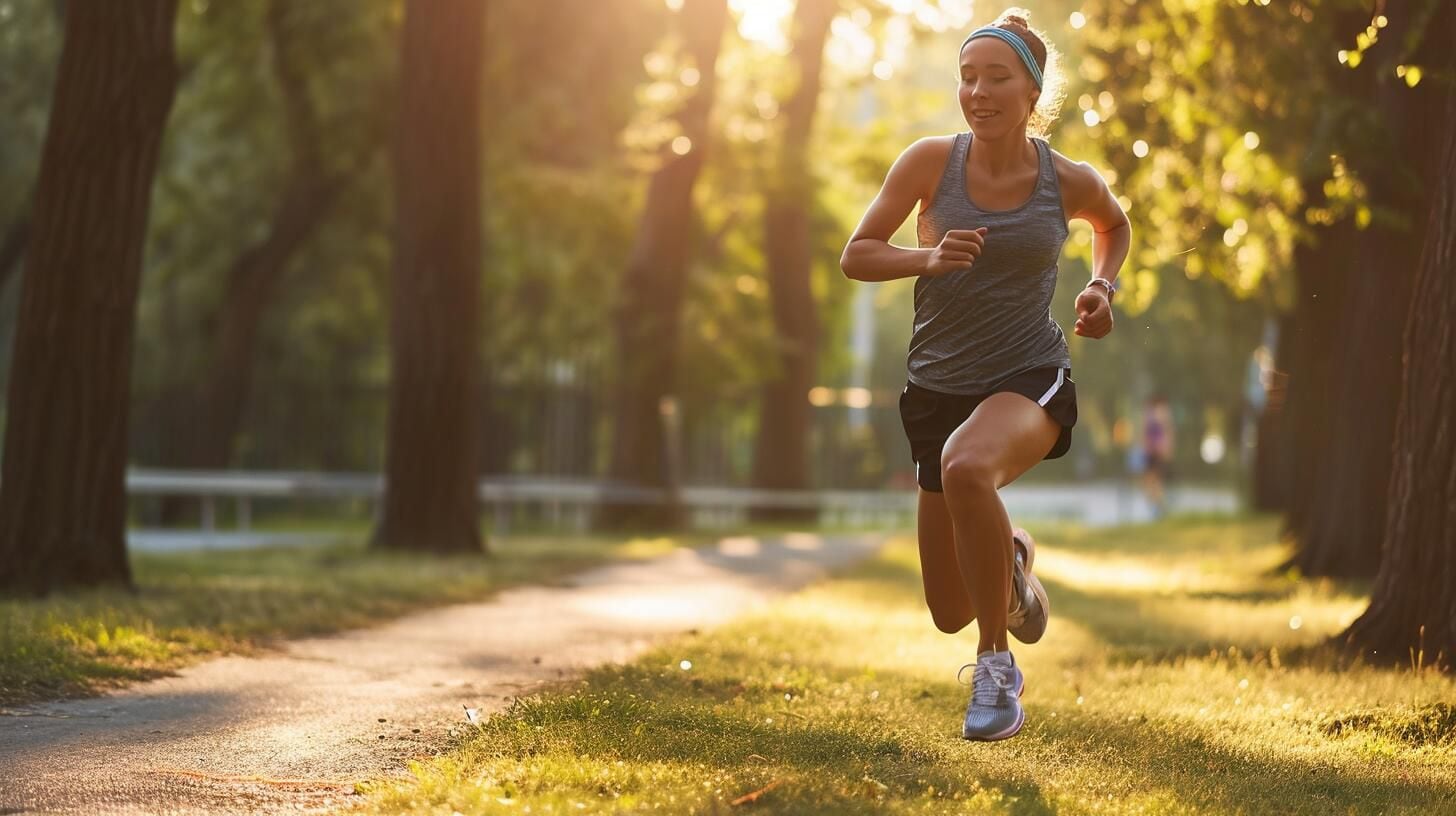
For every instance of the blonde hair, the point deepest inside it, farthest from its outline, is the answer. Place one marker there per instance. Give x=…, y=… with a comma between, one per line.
x=1053, y=82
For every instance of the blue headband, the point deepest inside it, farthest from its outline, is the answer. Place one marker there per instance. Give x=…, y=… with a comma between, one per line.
x=1017, y=44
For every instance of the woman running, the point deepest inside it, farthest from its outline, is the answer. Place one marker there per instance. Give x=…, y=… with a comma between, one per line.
x=989, y=392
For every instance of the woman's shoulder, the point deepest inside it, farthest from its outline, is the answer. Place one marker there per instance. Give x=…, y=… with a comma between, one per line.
x=1079, y=180
x=929, y=152
x=924, y=162
x=1069, y=170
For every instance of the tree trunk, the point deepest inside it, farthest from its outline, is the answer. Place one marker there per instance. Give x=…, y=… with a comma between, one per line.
x=208, y=433
x=1339, y=534
x=1306, y=415
x=1412, y=614
x=652, y=294
x=62, y=489
x=430, y=500
x=781, y=451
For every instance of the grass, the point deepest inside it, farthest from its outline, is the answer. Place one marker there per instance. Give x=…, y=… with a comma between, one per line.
x=193, y=605
x=1179, y=675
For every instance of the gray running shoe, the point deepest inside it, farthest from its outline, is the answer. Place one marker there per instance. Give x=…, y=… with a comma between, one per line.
x=995, y=711
x=1026, y=620
x=1018, y=679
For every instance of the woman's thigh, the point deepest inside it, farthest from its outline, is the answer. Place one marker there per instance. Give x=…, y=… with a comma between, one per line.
x=1003, y=438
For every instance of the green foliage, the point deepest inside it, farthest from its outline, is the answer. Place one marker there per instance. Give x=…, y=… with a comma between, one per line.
x=561, y=192
x=228, y=156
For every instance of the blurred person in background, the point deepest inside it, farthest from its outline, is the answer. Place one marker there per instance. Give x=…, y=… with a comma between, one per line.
x=1157, y=452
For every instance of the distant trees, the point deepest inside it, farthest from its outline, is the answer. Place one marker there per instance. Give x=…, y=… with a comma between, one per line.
x=12, y=247
x=62, y=488
x=781, y=449
x=211, y=410
x=261, y=335
x=649, y=312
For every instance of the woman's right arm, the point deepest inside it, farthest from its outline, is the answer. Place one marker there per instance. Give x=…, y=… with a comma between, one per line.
x=869, y=256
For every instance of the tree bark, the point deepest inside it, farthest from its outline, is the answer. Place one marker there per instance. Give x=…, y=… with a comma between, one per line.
x=1307, y=410
x=781, y=450
x=430, y=500
x=650, y=315
x=62, y=488
x=1412, y=613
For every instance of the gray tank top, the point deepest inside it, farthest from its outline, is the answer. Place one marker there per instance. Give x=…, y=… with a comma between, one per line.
x=974, y=328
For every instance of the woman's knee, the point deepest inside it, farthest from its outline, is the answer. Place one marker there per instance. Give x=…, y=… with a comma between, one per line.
x=950, y=621
x=968, y=470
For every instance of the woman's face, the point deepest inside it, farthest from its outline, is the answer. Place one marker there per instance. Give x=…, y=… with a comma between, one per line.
x=996, y=91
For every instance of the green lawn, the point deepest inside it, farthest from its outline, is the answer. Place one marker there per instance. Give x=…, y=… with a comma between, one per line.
x=1178, y=676
x=198, y=604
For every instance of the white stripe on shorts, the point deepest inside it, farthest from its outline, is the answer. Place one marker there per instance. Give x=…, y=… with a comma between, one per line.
x=1045, y=398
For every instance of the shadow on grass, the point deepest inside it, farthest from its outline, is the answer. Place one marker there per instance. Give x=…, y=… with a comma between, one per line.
x=1131, y=629
x=1179, y=536
x=1130, y=624
x=854, y=768
x=1230, y=777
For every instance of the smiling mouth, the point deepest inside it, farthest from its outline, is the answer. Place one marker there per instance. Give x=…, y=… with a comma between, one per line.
x=984, y=115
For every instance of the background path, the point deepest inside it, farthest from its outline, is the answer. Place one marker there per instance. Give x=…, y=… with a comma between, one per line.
x=293, y=730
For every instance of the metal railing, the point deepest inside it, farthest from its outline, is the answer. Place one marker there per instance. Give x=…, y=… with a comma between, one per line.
x=572, y=502
x=561, y=500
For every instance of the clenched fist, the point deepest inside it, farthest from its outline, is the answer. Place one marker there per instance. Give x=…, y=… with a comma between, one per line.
x=1094, y=313
x=956, y=251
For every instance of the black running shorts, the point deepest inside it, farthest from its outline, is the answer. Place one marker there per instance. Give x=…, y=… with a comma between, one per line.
x=930, y=417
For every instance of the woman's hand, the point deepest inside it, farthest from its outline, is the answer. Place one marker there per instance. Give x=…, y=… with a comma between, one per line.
x=956, y=251
x=1094, y=313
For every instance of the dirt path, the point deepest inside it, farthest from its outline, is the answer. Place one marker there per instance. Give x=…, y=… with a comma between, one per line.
x=293, y=730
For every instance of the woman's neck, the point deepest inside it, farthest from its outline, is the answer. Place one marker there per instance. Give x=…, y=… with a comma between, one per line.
x=998, y=156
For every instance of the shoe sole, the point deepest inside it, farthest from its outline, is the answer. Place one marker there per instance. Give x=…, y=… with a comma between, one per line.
x=1008, y=733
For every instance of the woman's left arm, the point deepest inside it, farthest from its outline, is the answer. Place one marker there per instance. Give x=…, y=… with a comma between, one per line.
x=1087, y=198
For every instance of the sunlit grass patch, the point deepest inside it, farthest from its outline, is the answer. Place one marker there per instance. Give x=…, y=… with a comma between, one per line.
x=1164, y=694
x=201, y=603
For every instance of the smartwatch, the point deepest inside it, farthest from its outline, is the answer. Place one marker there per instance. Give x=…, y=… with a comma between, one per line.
x=1106, y=285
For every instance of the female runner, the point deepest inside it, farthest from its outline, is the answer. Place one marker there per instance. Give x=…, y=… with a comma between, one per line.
x=989, y=392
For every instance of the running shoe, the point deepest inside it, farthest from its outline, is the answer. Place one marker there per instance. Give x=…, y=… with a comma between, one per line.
x=995, y=711
x=1026, y=619
x=1024, y=546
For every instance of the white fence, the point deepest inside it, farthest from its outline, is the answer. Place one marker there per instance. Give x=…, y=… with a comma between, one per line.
x=570, y=502
x=562, y=501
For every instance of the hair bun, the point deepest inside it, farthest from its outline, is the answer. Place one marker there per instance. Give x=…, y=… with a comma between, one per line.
x=1016, y=16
